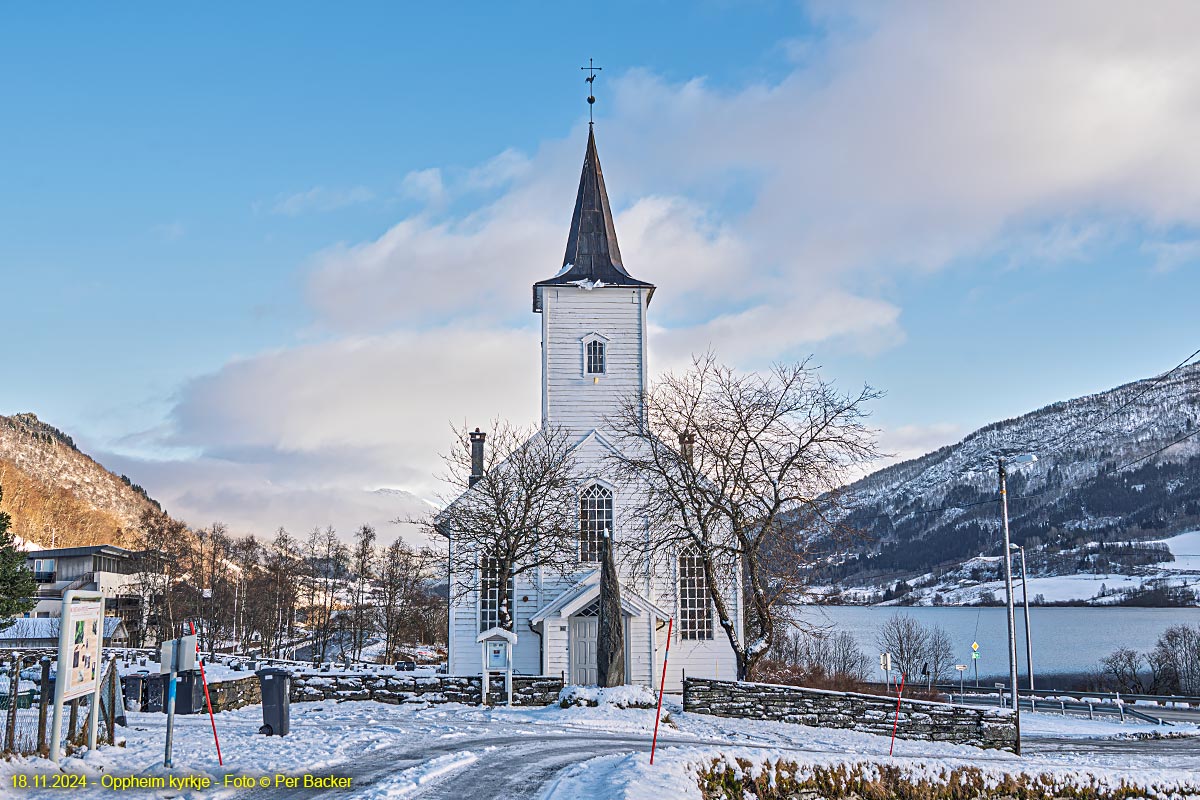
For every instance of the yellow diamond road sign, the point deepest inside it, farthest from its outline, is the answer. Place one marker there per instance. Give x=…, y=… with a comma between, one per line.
x=974, y=645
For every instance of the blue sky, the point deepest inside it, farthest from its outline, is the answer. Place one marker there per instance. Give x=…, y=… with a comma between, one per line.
x=249, y=252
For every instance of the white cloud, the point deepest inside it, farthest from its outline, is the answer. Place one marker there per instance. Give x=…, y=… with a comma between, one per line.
x=424, y=185
x=916, y=136
x=320, y=199
x=1172, y=255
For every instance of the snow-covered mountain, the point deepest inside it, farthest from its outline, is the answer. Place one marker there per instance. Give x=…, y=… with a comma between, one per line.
x=1093, y=504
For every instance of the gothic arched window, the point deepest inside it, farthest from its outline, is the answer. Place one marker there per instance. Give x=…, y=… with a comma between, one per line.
x=695, y=607
x=595, y=519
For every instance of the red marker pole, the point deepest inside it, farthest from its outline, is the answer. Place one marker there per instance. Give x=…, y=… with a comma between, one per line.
x=207, y=700
x=899, y=694
x=661, y=685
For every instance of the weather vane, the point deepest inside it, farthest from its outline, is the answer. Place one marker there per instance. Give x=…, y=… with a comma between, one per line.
x=591, y=80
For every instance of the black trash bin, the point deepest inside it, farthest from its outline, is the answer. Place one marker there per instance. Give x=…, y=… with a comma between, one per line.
x=133, y=689
x=189, y=693
x=276, y=684
x=156, y=698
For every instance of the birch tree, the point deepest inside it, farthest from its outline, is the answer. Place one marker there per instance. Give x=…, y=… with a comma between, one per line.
x=742, y=471
x=363, y=556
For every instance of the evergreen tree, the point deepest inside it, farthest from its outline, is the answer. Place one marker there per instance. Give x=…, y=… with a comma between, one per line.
x=17, y=588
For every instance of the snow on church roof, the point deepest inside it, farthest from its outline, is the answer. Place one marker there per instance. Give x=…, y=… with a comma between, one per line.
x=497, y=633
x=593, y=258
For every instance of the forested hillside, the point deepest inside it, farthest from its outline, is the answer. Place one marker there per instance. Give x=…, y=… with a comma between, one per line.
x=56, y=493
x=1108, y=487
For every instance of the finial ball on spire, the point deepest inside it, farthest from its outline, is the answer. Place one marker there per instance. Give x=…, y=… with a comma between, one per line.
x=591, y=99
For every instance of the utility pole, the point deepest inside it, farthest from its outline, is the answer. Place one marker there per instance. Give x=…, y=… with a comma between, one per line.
x=1008, y=585
x=1028, y=635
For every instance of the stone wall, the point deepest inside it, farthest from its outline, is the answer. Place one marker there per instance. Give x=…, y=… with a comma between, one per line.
x=981, y=727
x=228, y=695
x=528, y=690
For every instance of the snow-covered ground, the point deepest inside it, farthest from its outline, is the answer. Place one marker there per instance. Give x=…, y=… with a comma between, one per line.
x=554, y=753
x=956, y=588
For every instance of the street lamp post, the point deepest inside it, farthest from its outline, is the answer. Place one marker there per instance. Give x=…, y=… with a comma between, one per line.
x=1008, y=585
x=1025, y=598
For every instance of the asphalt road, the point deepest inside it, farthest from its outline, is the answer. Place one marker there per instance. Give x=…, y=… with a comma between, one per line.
x=520, y=766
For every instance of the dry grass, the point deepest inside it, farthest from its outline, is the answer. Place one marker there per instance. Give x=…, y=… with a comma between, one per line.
x=861, y=781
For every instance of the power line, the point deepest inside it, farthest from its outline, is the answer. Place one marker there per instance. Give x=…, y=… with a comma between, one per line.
x=1053, y=448
x=1150, y=385
x=1139, y=460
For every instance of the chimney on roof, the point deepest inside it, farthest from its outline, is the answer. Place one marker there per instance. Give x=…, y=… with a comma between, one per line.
x=686, y=440
x=477, y=438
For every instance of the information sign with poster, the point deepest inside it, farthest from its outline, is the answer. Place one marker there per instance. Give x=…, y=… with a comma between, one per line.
x=84, y=623
x=80, y=637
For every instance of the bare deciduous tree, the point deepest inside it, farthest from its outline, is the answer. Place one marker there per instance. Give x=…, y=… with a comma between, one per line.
x=162, y=542
x=404, y=596
x=363, y=556
x=519, y=514
x=752, y=483
x=916, y=647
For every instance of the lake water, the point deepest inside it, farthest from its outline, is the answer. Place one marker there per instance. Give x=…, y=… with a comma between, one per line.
x=1065, y=640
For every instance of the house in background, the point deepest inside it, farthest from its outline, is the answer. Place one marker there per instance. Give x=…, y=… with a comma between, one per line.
x=43, y=632
x=594, y=336
x=110, y=570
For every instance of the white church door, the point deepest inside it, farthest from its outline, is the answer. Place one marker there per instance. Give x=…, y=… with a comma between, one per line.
x=583, y=650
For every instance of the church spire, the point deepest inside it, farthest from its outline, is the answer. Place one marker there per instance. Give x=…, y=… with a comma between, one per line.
x=593, y=257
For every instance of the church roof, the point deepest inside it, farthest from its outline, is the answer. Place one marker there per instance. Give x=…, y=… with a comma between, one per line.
x=593, y=257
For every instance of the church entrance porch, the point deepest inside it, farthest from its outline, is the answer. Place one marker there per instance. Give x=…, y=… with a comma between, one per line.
x=584, y=627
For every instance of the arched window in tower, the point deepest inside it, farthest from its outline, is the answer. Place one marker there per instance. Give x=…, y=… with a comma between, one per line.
x=595, y=519
x=595, y=357
x=695, y=606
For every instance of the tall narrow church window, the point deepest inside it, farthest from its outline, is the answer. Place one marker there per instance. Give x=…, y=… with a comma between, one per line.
x=489, y=594
x=695, y=607
x=595, y=357
x=595, y=518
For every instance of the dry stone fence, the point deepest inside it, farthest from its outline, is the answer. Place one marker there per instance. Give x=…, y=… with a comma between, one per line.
x=528, y=690
x=982, y=727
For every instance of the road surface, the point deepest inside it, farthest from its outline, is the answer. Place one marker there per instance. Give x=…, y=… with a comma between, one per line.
x=524, y=765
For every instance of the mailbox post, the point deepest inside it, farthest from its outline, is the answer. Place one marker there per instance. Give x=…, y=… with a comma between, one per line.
x=497, y=657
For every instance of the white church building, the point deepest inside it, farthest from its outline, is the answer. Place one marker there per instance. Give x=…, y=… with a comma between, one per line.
x=593, y=315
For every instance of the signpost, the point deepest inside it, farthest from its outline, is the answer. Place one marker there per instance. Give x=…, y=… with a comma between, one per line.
x=975, y=661
x=497, y=657
x=178, y=655
x=885, y=664
x=80, y=640
x=961, y=692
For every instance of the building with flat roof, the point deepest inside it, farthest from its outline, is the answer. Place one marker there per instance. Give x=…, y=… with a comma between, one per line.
x=110, y=570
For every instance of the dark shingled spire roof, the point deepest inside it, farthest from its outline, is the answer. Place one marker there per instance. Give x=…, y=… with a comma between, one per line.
x=592, y=251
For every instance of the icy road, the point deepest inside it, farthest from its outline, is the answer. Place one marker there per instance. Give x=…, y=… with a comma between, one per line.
x=553, y=753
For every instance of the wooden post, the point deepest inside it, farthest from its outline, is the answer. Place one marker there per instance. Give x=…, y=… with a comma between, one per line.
x=112, y=701
x=14, y=687
x=43, y=705
x=73, y=717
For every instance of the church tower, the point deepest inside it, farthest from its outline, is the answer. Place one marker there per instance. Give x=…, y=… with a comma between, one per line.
x=593, y=316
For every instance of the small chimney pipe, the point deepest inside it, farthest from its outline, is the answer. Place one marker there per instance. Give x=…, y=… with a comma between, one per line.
x=686, y=440
x=477, y=438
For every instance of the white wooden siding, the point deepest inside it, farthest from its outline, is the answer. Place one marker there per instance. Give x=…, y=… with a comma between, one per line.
x=570, y=398
x=575, y=401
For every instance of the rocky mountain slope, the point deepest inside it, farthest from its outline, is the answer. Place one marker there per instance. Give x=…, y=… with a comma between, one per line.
x=1093, y=504
x=56, y=493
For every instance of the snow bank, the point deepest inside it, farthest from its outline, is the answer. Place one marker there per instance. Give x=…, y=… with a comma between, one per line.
x=617, y=696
